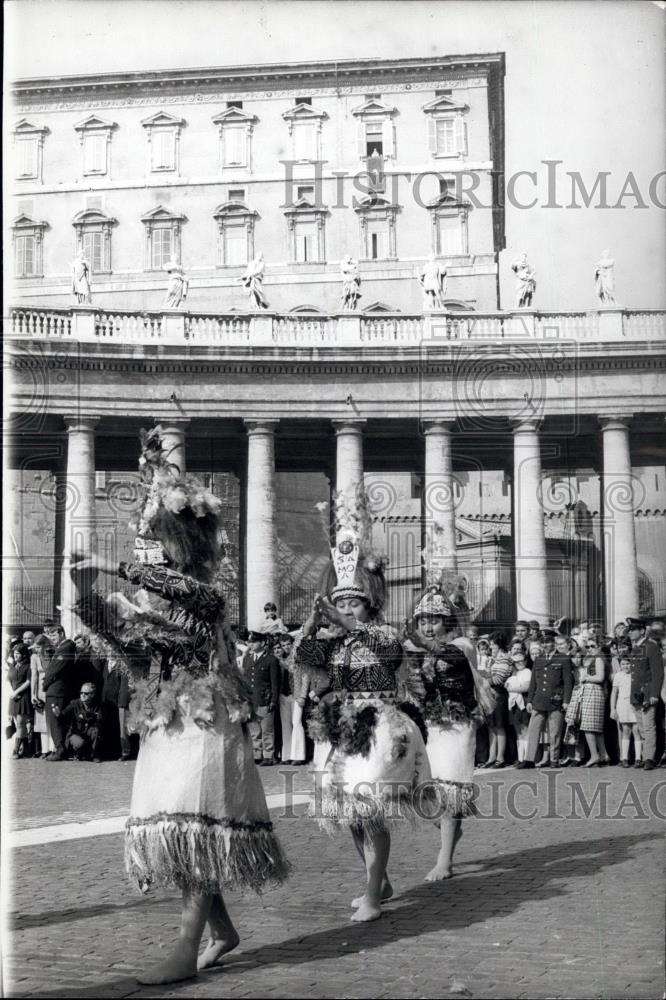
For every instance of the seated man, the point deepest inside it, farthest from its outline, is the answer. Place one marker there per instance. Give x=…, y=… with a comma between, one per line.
x=82, y=720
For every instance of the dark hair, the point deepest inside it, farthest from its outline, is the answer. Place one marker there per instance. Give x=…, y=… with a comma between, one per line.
x=499, y=638
x=192, y=542
x=22, y=650
x=269, y=606
x=524, y=650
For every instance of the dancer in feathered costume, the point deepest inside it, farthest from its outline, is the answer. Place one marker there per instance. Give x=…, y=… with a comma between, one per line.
x=199, y=818
x=443, y=682
x=371, y=755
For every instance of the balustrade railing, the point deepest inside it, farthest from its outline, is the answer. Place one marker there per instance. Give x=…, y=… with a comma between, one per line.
x=321, y=331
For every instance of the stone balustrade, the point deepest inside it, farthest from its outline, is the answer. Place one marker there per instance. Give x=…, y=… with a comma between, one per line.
x=90, y=324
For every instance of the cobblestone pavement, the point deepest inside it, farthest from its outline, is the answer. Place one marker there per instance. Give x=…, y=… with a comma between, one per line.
x=558, y=905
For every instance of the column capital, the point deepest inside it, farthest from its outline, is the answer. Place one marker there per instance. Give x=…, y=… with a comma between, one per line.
x=438, y=425
x=615, y=421
x=527, y=425
x=176, y=424
x=261, y=426
x=78, y=423
x=352, y=425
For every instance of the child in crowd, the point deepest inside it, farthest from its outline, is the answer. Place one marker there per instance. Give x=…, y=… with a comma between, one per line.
x=517, y=686
x=624, y=714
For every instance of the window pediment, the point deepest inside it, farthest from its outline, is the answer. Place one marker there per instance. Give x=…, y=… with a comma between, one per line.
x=93, y=217
x=233, y=208
x=374, y=109
x=304, y=113
x=24, y=221
x=235, y=116
x=444, y=104
x=444, y=201
x=95, y=123
x=162, y=119
x=25, y=127
x=305, y=207
x=162, y=214
x=370, y=204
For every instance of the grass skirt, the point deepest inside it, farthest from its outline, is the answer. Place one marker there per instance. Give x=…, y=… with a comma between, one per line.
x=199, y=817
x=381, y=784
x=451, y=748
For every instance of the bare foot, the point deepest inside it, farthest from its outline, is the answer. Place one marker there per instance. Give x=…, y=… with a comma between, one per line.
x=367, y=911
x=215, y=949
x=180, y=965
x=387, y=892
x=439, y=873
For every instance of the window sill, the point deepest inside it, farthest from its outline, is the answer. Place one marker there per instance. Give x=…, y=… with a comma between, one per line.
x=163, y=170
x=95, y=173
x=28, y=277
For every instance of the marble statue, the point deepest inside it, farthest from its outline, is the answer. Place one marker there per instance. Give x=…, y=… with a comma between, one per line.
x=178, y=286
x=525, y=282
x=81, y=280
x=433, y=281
x=351, y=283
x=253, y=280
x=604, y=280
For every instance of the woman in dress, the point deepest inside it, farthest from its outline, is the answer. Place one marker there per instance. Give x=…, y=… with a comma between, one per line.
x=370, y=754
x=199, y=818
x=593, y=704
x=442, y=681
x=20, y=699
x=39, y=661
x=517, y=686
x=501, y=668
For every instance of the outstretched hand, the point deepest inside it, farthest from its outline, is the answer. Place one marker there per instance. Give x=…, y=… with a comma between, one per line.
x=84, y=567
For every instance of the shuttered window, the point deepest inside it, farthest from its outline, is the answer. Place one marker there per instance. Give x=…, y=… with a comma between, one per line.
x=162, y=243
x=93, y=250
x=450, y=235
x=234, y=245
x=94, y=154
x=25, y=256
x=27, y=154
x=234, y=145
x=163, y=146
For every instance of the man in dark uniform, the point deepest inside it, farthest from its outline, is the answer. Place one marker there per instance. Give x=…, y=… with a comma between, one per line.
x=262, y=670
x=59, y=685
x=548, y=696
x=647, y=676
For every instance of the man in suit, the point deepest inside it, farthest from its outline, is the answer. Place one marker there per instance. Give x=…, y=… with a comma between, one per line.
x=262, y=670
x=548, y=696
x=647, y=676
x=59, y=685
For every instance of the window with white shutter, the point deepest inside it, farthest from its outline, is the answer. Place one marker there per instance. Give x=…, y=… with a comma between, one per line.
x=305, y=234
x=450, y=235
x=162, y=242
x=235, y=145
x=377, y=239
x=27, y=157
x=163, y=145
x=94, y=154
x=304, y=141
x=234, y=244
x=445, y=137
x=25, y=256
x=93, y=250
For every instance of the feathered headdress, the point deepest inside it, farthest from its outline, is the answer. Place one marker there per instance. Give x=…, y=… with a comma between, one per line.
x=356, y=568
x=182, y=507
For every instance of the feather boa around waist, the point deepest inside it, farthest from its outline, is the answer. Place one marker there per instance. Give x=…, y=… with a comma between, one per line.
x=516, y=700
x=349, y=723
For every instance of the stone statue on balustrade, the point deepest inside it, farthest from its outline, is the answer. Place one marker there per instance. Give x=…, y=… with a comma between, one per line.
x=81, y=280
x=253, y=280
x=351, y=284
x=433, y=282
x=604, y=280
x=525, y=282
x=177, y=287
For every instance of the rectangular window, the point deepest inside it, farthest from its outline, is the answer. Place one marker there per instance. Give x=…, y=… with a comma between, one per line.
x=377, y=239
x=237, y=195
x=161, y=248
x=235, y=245
x=25, y=256
x=304, y=142
x=26, y=150
x=374, y=139
x=446, y=136
x=306, y=242
x=450, y=235
x=305, y=191
x=93, y=250
x=94, y=154
x=234, y=146
x=163, y=145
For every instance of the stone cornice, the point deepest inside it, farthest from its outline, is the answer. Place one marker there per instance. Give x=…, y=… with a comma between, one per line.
x=296, y=76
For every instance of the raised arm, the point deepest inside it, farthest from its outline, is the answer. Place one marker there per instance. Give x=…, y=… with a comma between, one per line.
x=174, y=586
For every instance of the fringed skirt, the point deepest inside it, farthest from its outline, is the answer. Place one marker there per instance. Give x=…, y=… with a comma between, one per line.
x=451, y=748
x=199, y=817
x=370, y=764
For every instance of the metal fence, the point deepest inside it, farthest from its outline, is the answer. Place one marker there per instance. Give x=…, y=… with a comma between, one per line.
x=28, y=605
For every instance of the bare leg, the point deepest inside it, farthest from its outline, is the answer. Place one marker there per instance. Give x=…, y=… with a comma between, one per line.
x=387, y=888
x=182, y=962
x=501, y=745
x=377, y=847
x=223, y=935
x=492, y=745
x=591, y=740
x=451, y=831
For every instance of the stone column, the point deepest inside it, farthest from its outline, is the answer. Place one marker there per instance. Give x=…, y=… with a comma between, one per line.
x=349, y=456
x=79, y=501
x=621, y=568
x=439, y=495
x=261, y=574
x=173, y=441
x=529, y=537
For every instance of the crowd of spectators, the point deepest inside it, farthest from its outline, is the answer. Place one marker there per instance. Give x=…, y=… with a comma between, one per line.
x=565, y=695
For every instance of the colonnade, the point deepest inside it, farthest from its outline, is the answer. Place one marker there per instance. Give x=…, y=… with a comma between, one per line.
x=261, y=563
